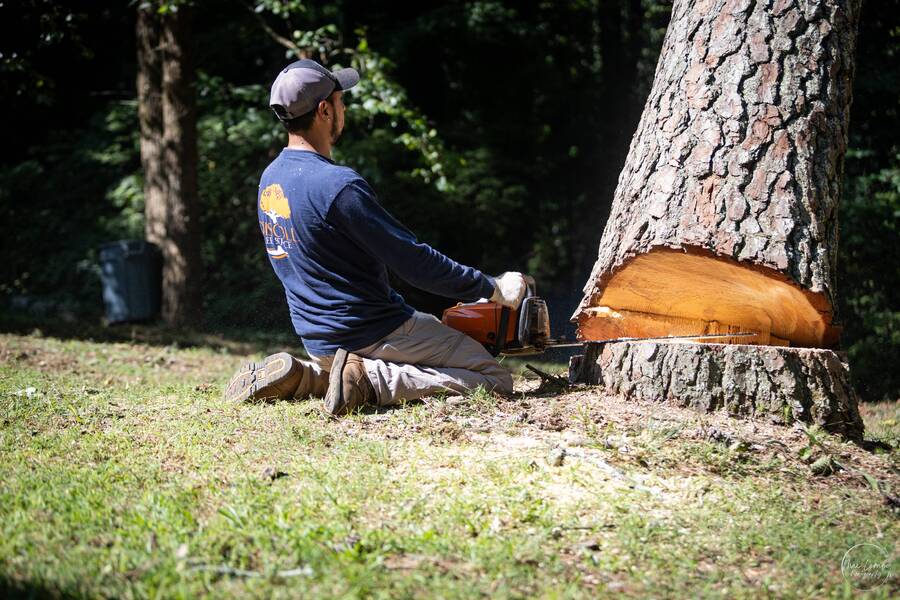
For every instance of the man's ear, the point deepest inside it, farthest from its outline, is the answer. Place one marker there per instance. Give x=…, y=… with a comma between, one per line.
x=323, y=109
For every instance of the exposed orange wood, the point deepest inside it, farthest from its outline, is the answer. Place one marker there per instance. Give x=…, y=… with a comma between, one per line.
x=677, y=293
x=604, y=323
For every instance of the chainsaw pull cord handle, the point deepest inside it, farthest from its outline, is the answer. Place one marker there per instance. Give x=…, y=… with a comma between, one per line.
x=500, y=345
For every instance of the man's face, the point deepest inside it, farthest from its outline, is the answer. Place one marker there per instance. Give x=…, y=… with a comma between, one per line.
x=337, y=122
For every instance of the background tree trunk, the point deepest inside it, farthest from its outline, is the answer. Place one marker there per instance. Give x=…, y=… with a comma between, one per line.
x=149, y=89
x=725, y=212
x=182, y=269
x=724, y=219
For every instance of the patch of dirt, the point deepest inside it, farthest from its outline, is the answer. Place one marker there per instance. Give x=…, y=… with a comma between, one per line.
x=34, y=353
x=629, y=434
x=51, y=356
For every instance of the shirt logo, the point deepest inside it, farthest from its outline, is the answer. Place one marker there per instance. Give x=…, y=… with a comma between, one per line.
x=279, y=237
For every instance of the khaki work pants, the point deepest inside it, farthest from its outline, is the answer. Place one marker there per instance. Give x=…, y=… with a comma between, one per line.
x=420, y=358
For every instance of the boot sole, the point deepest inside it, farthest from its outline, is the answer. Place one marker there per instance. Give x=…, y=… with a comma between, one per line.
x=256, y=381
x=334, y=398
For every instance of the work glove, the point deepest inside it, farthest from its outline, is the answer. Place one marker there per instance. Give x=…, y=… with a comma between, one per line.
x=509, y=289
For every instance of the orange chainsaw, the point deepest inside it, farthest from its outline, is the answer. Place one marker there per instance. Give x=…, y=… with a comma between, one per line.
x=503, y=330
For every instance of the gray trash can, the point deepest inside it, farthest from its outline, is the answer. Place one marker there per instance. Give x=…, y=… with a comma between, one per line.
x=131, y=272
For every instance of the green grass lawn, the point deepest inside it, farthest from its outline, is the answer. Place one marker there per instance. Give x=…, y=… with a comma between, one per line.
x=124, y=474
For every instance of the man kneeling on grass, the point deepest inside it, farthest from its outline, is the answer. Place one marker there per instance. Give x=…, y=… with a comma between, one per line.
x=331, y=243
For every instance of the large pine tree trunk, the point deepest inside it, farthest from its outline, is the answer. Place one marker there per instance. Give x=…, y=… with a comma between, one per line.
x=725, y=213
x=182, y=269
x=149, y=89
x=725, y=216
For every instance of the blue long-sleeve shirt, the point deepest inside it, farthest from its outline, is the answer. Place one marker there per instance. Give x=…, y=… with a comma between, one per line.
x=331, y=244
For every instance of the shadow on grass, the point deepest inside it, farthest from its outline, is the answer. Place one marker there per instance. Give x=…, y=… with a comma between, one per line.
x=238, y=341
x=14, y=590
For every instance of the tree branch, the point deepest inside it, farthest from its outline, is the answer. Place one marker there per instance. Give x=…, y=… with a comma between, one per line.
x=277, y=37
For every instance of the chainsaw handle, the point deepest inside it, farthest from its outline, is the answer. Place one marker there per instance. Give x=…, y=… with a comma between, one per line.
x=530, y=286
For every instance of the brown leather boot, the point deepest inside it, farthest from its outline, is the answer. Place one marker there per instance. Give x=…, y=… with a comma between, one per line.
x=349, y=387
x=276, y=377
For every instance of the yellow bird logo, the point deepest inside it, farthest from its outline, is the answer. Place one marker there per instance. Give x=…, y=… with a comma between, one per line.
x=274, y=203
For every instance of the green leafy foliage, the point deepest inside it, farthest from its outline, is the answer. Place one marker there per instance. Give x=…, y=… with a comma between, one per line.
x=870, y=278
x=869, y=262
x=63, y=201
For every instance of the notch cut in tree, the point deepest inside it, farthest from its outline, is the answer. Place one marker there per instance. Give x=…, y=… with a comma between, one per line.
x=724, y=219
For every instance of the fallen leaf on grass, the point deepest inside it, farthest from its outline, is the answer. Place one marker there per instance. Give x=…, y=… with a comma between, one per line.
x=182, y=552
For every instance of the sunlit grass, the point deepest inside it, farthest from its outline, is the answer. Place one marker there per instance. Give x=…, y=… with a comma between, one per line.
x=123, y=473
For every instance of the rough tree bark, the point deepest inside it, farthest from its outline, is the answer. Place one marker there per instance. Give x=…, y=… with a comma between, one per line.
x=780, y=384
x=725, y=215
x=149, y=89
x=182, y=268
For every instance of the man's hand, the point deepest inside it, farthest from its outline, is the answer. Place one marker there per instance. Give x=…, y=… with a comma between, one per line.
x=509, y=289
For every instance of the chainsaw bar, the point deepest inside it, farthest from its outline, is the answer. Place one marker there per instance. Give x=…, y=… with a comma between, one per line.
x=701, y=336
x=552, y=344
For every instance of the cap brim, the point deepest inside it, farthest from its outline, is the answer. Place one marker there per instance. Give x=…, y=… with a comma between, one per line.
x=346, y=78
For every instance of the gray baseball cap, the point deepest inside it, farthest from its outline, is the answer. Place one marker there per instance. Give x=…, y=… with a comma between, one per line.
x=300, y=87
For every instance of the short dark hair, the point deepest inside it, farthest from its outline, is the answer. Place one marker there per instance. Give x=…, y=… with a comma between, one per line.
x=302, y=123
